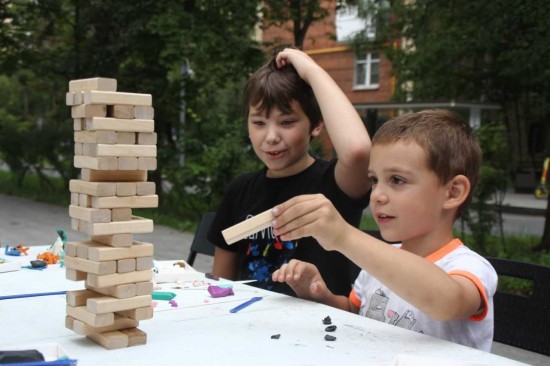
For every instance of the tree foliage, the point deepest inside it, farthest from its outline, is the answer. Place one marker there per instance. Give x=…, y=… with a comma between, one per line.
x=474, y=51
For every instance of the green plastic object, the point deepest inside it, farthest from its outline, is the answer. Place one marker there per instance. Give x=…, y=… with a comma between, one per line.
x=162, y=295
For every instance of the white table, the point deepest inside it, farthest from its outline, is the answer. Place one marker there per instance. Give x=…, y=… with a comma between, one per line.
x=202, y=331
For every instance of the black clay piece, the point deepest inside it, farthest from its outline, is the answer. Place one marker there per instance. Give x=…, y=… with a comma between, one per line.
x=275, y=336
x=327, y=320
x=23, y=356
x=38, y=264
x=330, y=328
x=328, y=337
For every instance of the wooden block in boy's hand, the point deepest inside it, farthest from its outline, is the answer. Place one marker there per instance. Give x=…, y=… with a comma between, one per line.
x=248, y=227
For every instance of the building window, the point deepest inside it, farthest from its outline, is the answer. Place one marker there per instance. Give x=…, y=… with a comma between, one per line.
x=367, y=71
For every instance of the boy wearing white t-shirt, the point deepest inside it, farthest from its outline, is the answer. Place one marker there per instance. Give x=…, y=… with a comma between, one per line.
x=423, y=168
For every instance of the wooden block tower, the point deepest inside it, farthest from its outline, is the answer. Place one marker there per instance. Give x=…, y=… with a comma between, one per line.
x=115, y=146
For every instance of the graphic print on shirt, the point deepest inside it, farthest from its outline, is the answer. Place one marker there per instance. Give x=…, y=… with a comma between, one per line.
x=377, y=309
x=267, y=253
x=377, y=306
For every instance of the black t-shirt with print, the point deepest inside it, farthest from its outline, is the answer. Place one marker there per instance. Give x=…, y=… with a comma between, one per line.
x=262, y=252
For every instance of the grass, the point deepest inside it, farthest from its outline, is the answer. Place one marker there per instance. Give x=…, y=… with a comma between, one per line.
x=521, y=248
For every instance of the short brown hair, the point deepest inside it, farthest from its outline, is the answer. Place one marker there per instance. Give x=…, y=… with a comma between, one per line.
x=450, y=144
x=272, y=87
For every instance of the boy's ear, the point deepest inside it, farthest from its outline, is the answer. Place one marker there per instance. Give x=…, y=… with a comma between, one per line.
x=458, y=189
x=317, y=129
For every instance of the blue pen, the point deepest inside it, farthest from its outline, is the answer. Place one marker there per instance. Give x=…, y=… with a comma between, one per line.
x=20, y=296
x=245, y=304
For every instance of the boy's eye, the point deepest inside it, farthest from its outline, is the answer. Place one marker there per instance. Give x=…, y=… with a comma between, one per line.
x=373, y=180
x=397, y=180
x=287, y=122
x=258, y=123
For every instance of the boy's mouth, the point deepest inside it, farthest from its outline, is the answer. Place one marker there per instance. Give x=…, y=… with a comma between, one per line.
x=382, y=218
x=275, y=154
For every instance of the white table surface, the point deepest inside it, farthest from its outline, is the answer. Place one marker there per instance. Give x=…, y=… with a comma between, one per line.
x=202, y=331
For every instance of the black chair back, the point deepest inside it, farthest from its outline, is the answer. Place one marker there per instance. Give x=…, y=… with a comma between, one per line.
x=523, y=321
x=200, y=244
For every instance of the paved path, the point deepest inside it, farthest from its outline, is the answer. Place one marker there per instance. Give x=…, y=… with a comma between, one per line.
x=34, y=223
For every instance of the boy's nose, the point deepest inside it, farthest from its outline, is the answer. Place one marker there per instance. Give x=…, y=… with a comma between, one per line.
x=272, y=135
x=377, y=195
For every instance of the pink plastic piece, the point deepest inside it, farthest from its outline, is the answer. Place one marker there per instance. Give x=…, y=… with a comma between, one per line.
x=216, y=291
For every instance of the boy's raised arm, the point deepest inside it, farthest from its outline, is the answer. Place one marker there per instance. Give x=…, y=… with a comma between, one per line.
x=344, y=125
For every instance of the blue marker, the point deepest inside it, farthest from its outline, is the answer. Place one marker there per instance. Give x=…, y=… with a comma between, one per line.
x=245, y=304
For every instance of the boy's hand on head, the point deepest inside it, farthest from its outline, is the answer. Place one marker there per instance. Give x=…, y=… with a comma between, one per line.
x=304, y=278
x=299, y=59
x=310, y=215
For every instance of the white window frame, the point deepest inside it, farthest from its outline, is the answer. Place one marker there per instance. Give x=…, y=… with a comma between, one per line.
x=367, y=63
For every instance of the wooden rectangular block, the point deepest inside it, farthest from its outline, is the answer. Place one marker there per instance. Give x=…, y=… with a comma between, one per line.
x=118, y=124
x=74, y=224
x=96, y=163
x=70, y=249
x=84, y=200
x=82, y=248
x=78, y=124
x=138, y=314
x=98, y=83
x=78, y=149
x=88, y=266
x=138, y=225
x=121, y=214
x=144, y=263
x=136, y=337
x=96, y=320
x=119, y=323
x=113, y=175
x=90, y=214
x=107, y=304
x=88, y=110
x=93, y=188
x=118, y=278
x=128, y=163
x=126, y=150
x=74, y=275
x=126, y=138
x=127, y=265
x=146, y=138
x=110, y=340
x=248, y=227
x=78, y=97
x=145, y=188
x=69, y=98
x=144, y=288
x=130, y=202
x=115, y=240
x=125, y=189
x=79, y=297
x=105, y=253
x=96, y=137
x=146, y=163
x=74, y=199
x=141, y=112
x=119, y=291
x=112, y=98
x=120, y=111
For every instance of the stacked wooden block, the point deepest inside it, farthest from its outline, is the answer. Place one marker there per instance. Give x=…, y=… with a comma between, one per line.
x=115, y=146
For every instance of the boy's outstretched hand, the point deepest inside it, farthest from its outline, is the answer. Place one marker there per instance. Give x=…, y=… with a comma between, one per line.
x=310, y=215
x=304, y=278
